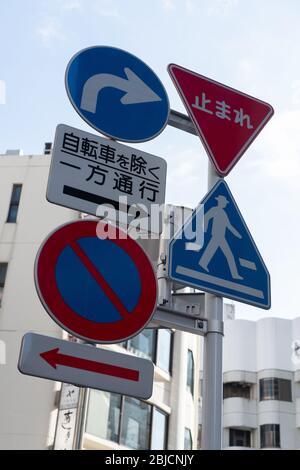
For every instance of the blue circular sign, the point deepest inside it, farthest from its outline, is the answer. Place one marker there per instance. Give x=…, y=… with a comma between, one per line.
x=117, y=94
x=95, y=281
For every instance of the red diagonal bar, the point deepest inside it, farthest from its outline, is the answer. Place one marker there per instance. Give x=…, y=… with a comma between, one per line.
x=55, y=358
x=100, y=280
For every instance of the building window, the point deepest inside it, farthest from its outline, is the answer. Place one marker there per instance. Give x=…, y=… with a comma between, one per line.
x=159, y=429
x=269, y=435
x=188, y=441
x=239, y=438
x=199, y=439
x=190, y=372
x=152, y=344
x=143, y=344
x=14, y=203
x=236, y=389
x=135, y=431
x=127, y=421
x=275, y=389
x=103, y=416
x=3, y=270
x=164, y=349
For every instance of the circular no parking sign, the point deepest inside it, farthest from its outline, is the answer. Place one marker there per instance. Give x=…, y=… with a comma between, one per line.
x=100, y=289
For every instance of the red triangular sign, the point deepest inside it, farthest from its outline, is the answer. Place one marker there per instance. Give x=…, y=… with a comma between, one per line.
x=226, y=120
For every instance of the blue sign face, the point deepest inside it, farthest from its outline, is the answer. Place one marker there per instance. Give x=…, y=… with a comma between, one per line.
x=86, y=297
x=227, y=262
x=117, y=94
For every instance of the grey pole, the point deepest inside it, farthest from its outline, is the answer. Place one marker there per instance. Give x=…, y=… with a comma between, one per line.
x=81, y=418
x=212, y=362
x=81, y=411
x=164, y=284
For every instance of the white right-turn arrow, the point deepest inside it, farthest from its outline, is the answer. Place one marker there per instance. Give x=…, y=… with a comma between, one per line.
x=136, y=90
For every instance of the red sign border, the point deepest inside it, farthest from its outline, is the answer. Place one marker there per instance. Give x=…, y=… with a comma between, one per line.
x=198, y=129
x=62, y=314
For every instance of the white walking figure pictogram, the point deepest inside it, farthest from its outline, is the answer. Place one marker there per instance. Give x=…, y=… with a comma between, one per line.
x=220, y=223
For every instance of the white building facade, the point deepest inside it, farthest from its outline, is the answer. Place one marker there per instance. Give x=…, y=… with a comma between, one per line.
x=261, y=375
x=26, y=404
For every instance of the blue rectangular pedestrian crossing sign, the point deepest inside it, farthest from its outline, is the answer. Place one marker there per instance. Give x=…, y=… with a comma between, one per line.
x=215, y=252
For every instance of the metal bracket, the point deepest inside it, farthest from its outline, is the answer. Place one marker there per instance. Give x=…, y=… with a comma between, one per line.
x=182, y=122
x=191, y=303
x=215, y=326
x=164, y=284
x=169, y=318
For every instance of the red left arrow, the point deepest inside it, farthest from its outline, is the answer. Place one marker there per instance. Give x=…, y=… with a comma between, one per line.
x=55, y=358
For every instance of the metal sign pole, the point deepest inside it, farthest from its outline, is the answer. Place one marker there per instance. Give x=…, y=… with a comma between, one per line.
x=81, y=419
x=212, y=362
x=164, y=284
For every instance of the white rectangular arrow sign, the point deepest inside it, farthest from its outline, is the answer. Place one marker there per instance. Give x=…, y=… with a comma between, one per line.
x=89, y=172
x=88, y=366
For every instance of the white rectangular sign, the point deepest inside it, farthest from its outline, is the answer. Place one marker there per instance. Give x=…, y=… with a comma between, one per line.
x=65, y=429
x=88, y=171
x=84, y=365
x=69, y=396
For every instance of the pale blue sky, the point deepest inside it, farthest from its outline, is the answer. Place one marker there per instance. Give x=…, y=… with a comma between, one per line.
x=253, y=46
